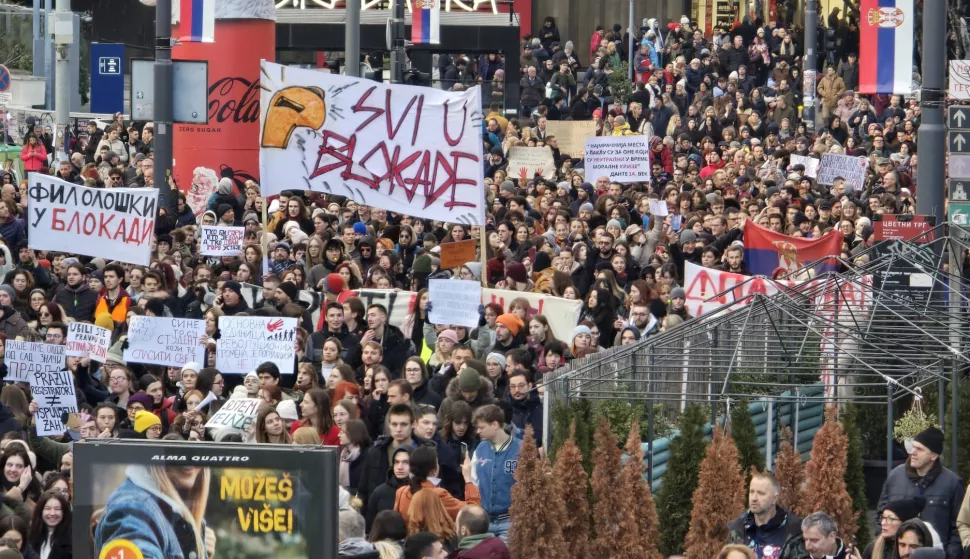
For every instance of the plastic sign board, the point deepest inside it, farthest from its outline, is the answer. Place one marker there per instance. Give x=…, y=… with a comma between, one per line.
x=107, y=78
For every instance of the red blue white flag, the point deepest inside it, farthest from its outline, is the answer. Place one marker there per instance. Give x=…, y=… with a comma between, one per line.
x=765, y=251
x=426, y=22
x=197, y=21
x=886, y=46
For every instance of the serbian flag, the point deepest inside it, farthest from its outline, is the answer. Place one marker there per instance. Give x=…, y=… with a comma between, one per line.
x=765, y=251
x=426, y=22
x=886, y=46
x=197, y=21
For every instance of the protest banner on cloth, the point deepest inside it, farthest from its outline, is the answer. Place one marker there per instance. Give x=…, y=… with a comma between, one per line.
x=236, y=414
x=87, y=339
x=172, y=342
x=811, y=164
x=455, y=302
x=852, y=168
x=456, y=254
x=221, y=241
x=622, y=158
x=526, y=162
x=571, y=136
x=54, y=393
x=247, y=341
x=114, y=223
x=23, y=359
x=765, y=251
x=406, y=149
x=563, y=314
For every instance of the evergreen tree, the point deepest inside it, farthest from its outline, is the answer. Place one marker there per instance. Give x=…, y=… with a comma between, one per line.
x=718, y=499
x=963, y=436
x=648, y=534
x=789, y=472
x=613, y=517
x=746, y=439
x=537, y=511
x=680, y=481
x=855, y=477
x=572, y=483
x=825, y=477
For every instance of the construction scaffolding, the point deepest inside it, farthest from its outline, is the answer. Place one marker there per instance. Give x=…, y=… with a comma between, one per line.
x=887, y=327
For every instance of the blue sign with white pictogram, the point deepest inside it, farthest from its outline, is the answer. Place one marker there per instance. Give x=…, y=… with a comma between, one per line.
x=107, y=78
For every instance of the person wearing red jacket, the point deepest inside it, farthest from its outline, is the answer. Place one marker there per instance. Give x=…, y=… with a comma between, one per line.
x=660, y=154
x=594, y=42
x=34, y=155
x=475, y=542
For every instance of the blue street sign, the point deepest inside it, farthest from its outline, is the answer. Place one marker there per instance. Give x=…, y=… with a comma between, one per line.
x=4, y=79
x=107, y=78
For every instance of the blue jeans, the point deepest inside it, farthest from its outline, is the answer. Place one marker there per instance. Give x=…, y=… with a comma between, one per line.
x=499, y=526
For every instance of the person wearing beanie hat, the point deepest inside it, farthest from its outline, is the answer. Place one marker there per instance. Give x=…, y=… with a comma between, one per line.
x=231, y=300
x=507, y=329
x=449, y=334
x=923, y=475
x=495, y=269
x=360, y=229
x=473, y=268
x=287, y=292
x=890, y=519
x=287, y=412
x=226, y=214
x=508, y=187
x=137, y=402
x=333, y=284
x=517, y=274
x=469, y=381
x=148, y=424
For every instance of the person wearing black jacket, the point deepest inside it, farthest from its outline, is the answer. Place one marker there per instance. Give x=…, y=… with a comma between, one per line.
x=416, y=374
x=398, y=475
x=400, y=421
x=765, y=525
x=526, y=405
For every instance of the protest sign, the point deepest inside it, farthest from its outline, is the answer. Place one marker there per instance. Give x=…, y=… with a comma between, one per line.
x=235, y=414
x=54, y=393
x=622, y=158
x=115, y=223
x=850, y=167
x=456, y=254
x=526, y=162
x=658, y=208
x=811, y=164
x=87, y=339
x=23, y=359
x=247, y=341
x=172, y=342
x=221, y=241
x=406, y=149
x=455, y=302
x=563, y=314
x=571, y=136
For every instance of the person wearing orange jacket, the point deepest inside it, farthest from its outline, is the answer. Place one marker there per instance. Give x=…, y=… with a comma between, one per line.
x=424, y=469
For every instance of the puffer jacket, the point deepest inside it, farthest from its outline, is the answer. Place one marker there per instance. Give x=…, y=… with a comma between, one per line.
x=453, y=394
x=943, y=491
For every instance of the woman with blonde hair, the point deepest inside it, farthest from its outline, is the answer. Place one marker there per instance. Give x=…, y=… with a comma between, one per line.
x=150, y=503
x=736, y=551
x=306, y=435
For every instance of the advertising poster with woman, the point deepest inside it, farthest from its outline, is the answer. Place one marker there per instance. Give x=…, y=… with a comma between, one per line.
x=195, y=500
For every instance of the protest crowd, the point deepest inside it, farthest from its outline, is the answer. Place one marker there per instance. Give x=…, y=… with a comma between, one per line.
x=430, y=416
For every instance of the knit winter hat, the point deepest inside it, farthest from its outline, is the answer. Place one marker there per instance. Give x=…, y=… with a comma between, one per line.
x=334, y=283
x=475, y=268
x=360, y=228
x=9, y=290
x=449, y=334
x=580, y=330
x=906, y=509
x=469, y=380
x=422, y=264
x=517, y=272
x=291, y=290
x=497, y=357
x=146, y=419
x=932, y=439
x=287, y=410
x=510, y=321
x=222, y=209
x=678, y=292
x=141, y=398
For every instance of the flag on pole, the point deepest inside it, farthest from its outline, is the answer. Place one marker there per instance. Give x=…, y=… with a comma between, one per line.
x=197, y=21
x=886, y=46
x=426, y=22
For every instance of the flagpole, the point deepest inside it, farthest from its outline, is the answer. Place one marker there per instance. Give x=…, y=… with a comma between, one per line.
x=164, y=105
x=932, y=128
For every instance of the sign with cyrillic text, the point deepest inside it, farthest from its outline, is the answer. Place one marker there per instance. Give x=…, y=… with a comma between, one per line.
x=87, y=340
x=23, y=359
x=172, y=342
x=247, y=341
x=221, y=241
x=54, y=394
x=811, y=164
x=622, y=158
x=115, y=223
x=456, y=302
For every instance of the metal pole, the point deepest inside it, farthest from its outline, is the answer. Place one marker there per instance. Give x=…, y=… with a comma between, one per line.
x=811, y=64
x=63, y=80
x=633, y=36
x=164, y=105
x=932, y=131
x=889, y=429
x=352, y=39
x=49, y=55
x=769, y=435
x=38, y=47
x=398, y=57
x=954, y=425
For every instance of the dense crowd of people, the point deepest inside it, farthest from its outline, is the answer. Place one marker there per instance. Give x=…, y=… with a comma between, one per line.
x=430, y=417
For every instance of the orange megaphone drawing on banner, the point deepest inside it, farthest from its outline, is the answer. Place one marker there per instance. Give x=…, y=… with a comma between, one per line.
x=289, y=109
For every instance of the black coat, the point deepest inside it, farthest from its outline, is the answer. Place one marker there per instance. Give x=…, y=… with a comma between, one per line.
x=943, y=491
x=425, y=395
x=382, y=498
x=356, y=467
x=528, y=412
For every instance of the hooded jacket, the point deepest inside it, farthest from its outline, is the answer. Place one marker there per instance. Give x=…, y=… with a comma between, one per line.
x=376, y=466
x=12, y=324
x=357, y=548
x=382, y=498
x=528, y=412
x=453, y=394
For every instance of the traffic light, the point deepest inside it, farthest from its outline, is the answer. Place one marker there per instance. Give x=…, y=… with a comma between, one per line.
x=416, y=77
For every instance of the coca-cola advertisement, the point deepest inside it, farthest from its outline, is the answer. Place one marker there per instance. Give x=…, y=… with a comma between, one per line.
x=228, y=146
